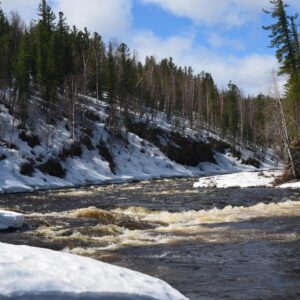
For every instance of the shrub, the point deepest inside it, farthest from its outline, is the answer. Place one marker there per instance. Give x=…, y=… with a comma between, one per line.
x=251, y=162
x=6, y=144
x=27, y=169
x=31, y=139
x=86, y=140
x=53, y=168
x=3, y=157
x=92, y=116
x=73, y=151
x=105, y=153
x=67, y=127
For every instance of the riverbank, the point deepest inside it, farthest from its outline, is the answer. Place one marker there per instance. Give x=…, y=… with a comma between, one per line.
x=266, y=178
x=34, y=273
x=49, y=157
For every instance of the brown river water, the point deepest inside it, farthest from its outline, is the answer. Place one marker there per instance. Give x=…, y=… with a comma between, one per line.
x=208, y=244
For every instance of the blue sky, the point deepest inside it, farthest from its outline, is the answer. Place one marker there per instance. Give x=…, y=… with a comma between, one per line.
x=223, y=37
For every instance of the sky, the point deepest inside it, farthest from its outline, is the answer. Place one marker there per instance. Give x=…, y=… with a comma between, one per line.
x=222, y=37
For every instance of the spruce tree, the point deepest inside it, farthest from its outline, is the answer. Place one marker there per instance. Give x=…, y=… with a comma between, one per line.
x=44, y=30
x=111, y=85
x=282, y=38
x=4, y=55
x=23, y=76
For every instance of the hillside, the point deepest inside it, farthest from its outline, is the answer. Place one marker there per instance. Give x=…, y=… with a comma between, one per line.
x=45, y=155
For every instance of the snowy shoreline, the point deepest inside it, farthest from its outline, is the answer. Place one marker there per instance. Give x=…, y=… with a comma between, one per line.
x=260, y=178
x=32, y=189
x=28, y=166
x=27, y=272
x=204, y=181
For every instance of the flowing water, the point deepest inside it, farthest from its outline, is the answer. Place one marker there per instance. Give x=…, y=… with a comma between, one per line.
x=209, y=244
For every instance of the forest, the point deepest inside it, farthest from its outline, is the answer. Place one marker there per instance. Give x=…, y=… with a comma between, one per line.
x=60, y=63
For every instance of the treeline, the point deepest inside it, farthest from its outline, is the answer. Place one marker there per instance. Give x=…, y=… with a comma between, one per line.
x=60, y=63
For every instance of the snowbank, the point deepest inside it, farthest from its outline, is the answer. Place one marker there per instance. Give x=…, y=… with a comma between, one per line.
x=290, y=185
x=28, y=271
x=242, y=179
x=10, y=219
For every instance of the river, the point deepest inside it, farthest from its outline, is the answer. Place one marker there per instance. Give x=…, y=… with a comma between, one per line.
x=207, y=243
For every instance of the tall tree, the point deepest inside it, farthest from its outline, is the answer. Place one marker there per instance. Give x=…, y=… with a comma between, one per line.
x=284, y=37
x=44, y=62
x=4, y=51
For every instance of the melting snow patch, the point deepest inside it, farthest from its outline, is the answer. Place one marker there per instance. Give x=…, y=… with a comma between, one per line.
x=28, y=271
x=9, y=219
x=242, y=180
x=290, y=185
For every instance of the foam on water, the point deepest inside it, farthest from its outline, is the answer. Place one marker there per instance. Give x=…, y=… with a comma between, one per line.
x=138, y=226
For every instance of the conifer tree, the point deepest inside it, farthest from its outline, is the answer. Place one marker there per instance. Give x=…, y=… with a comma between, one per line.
x=23, y=76
x=281, y=38
x=44, y=60
x=284, y=37
x=4, y=32
x=111, y=84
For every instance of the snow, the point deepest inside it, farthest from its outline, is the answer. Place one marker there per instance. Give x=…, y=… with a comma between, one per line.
x=27, y=271
x=242, y=180
x=290, y=185
x=137, y=160
x=9, y=219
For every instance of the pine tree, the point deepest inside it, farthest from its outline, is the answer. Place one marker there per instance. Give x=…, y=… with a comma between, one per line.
x=284, y=37
x=98, y=56
x=47, y=15
x=23, y=76
x=44, y=63
x=111, y=85
x=281, y=38
x=231, y=112
x=260, y=119
x=4, y=51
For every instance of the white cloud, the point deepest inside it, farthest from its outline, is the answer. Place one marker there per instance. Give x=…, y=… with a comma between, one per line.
x=294, y=3
x=110, y=18
x=217, y=12
x=27, y=9
x=213, y=12
x=251, y=72
x=217, y=40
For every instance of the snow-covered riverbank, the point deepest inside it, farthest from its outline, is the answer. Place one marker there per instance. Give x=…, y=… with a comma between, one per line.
x=27, y=271
x=47, y=156
x=244, y=180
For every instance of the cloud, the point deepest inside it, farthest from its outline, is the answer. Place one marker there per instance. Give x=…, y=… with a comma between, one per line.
x=213, y=12
x=27, y=9
x=294, y=3
x=251, y=72
x=217, y=40
x=110, y=18
x=232, y=13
